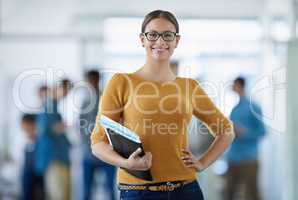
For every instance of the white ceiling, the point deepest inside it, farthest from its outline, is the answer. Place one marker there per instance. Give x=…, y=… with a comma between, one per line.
x=63, y=17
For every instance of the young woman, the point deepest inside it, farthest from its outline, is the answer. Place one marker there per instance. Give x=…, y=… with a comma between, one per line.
x=158, y=106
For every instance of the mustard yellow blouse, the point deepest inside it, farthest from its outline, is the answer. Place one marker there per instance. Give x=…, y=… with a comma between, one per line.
x=159, y=113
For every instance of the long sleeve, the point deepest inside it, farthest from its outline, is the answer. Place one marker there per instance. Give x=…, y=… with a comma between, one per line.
x=255, y=127
x=258, y=122
x=84, y=117
x=111, y=105
x=248, y=115
x=207, y=112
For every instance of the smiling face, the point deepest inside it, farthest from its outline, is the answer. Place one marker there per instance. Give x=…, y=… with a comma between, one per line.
x=159, y=50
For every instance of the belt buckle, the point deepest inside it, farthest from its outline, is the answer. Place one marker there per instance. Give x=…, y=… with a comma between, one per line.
x=170, y=185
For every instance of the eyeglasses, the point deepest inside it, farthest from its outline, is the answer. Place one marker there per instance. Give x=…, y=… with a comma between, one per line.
x=167, y=36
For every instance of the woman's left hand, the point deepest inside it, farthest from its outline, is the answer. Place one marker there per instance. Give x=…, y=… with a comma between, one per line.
x=191, y=161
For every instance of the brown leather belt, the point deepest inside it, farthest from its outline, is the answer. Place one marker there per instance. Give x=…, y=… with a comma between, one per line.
x=165, y=186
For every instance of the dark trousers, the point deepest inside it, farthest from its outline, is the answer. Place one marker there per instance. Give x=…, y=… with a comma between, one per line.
x=32, y=183
x=191, y=191
x=242, y=176
x=90, y=166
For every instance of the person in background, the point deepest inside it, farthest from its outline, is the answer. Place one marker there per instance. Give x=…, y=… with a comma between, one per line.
x=52, y=155
x=243, y=154
x=43, y=93
x=87, y=118
x=32, y=182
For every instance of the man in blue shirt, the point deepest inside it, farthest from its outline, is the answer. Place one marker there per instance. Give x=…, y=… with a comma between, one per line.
x=32, y=182
x=243, y=153
x=52, y=148
x=87, y=119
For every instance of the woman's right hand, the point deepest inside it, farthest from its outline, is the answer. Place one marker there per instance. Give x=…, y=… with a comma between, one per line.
x=136, y=162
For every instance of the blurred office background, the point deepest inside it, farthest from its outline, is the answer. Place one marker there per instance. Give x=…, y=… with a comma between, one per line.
x=42, y=41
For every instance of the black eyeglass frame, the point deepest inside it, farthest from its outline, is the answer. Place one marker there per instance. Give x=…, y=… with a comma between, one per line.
x=160, y=35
